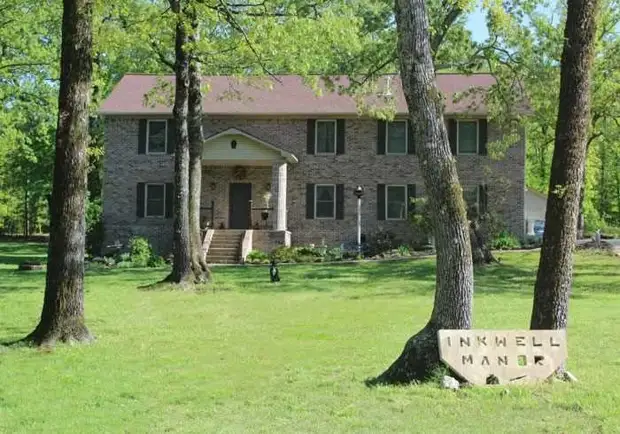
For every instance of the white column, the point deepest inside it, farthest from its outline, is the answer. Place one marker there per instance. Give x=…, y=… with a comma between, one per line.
x=279, y=172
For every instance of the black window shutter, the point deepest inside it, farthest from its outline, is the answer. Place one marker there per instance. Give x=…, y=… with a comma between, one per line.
x=410, y=139
x=380, y=201
x=452, y=135
x=340, y=133
x=340, y=202
x=482, y=136
x=310, y=136
x=172, y=136
x=410, y=197
x=142, y=136
x=140, y=200
x=169, y=200
x=381, y=137
x=309, y=201
x=483, y=196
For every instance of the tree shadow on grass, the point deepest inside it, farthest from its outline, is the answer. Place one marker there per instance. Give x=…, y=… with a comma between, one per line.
x=16, y=253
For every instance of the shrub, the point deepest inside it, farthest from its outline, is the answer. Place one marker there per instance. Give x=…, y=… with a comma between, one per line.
x=505, y=241
x=140, y=251
x=404, y=250
x=532, y=242
x=157, y=262
x=257, y=257
x=284, y=254
x=123, y=257
x=94, y=227
x=381, y=242
x=333, y=254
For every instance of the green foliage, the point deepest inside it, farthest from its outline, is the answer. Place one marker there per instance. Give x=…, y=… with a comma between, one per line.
x=404, y=250
x=505, y=241
x=157, y=262
x=257, y=257
x=140, y=252
x=382, y=241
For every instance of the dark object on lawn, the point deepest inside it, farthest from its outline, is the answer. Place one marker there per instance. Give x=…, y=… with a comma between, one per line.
x=274, y=273
x=28, y=266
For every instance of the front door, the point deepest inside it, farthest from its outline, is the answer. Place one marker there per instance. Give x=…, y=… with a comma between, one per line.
x=239, y=198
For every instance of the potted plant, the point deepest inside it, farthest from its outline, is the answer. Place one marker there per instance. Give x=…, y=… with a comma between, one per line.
x=267, y=198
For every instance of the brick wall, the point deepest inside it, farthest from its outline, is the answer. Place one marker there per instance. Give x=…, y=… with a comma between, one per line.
x=360, y=164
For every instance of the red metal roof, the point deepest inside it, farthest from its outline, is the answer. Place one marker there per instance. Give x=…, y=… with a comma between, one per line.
x=288, y=95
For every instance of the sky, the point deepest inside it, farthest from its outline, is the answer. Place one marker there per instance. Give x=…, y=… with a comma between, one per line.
x=476, y=23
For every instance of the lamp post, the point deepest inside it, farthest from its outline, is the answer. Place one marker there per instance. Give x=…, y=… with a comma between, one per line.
x=359, y=192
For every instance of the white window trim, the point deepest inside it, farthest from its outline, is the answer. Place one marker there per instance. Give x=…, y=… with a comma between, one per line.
x=146, y=199
x=316, y=136
x=387, y=216
x=458, y=141
x=387, y=137
x=148, y=134
x=316, y=199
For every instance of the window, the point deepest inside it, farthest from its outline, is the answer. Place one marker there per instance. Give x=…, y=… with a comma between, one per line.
x=156, y=135
x=396, y=137
x=470, y=195
x=155, y=199
x=396, y=203
x=325, y=137
x=467, y=137
x=325, y=201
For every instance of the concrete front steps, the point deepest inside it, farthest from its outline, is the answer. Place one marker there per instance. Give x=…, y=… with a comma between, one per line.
x=225, y=246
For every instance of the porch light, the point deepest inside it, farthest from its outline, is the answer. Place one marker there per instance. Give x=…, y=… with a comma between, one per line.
x=359, y=191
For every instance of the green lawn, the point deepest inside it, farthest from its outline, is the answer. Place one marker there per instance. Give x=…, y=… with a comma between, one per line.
x=255, y=357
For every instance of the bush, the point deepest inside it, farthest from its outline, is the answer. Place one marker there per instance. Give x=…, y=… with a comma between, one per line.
x=257, y=257
x=333, y=254
x=404, y=250
x=94, y=227
x=157, y=262
x=505, y=241
x=140, y=251
x=532, y=242
x=381, y=242
x=284, y=254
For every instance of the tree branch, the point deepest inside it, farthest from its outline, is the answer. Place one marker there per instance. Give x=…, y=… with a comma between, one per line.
x=444, y=28
x=230, y=19
x=24, y=64
x=161, y=55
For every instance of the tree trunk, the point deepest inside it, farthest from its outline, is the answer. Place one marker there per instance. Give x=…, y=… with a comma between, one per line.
x=196, y=139
x=181, y=264
x=453, y=296
x=480, y=251
x=62, y=317
x=554, y=278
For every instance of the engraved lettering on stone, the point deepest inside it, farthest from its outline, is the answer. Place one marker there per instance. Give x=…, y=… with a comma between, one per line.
x=523, y=356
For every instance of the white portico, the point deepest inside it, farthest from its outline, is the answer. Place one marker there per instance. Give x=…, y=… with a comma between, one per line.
x=237, y=181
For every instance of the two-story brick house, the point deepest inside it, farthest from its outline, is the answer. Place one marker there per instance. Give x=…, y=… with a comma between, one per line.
x=307, y=152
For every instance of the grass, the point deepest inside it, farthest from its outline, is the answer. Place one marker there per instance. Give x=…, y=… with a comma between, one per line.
x=250, y=356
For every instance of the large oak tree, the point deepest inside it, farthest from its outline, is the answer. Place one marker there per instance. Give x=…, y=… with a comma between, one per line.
x=62, y=317
x=554, y=278
x=454, y=291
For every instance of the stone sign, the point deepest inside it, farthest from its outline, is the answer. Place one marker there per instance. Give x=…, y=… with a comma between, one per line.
x=511, y=356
